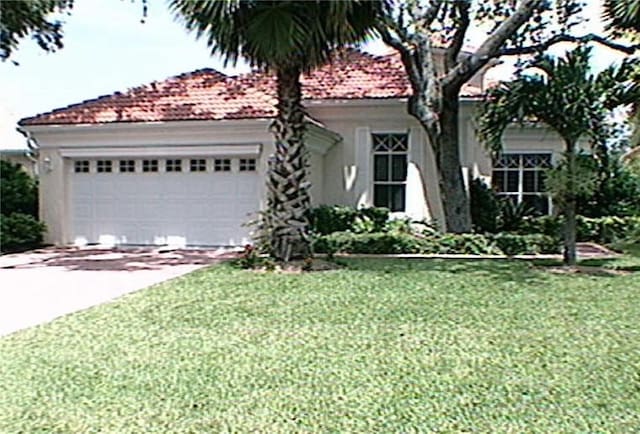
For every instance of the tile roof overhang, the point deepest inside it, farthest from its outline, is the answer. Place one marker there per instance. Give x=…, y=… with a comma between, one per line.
x=207, y=94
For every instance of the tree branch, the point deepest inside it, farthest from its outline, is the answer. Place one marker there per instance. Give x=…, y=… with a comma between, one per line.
x=490, y=48
x=451, y=56
x=543, y=46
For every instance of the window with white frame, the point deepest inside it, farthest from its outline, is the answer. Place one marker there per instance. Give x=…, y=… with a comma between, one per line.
x=222, y=165
x=173, y=165
x=390, y=155
x=247, y=164
x=104, y=166
x=81, y=166
x=149, y=165
x=198, y=165
x=127, y=166
x=520, y=177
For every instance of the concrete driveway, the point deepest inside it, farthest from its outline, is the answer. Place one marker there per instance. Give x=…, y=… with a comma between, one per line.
x=39, y=286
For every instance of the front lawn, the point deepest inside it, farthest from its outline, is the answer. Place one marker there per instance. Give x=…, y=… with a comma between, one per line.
x=381, y=346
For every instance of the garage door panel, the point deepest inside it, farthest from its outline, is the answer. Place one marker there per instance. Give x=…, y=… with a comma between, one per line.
x=197, y=208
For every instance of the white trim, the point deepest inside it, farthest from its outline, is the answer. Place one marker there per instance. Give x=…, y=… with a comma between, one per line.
x=163, y=151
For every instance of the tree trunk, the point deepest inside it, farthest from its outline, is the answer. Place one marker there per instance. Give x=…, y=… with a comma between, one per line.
x=284, y=225
x=569, y=205
x=569, y=254
x=445, y=142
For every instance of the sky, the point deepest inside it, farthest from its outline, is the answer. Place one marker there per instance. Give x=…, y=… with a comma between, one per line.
x=108, y=49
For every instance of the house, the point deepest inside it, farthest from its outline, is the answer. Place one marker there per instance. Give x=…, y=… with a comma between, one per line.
x=182, y=161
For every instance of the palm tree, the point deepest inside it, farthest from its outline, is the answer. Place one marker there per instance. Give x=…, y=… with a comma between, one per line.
x=567, y=97
x=286, y=38
x=623, y=15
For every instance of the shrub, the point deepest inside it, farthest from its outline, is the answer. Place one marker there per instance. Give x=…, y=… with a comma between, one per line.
x=20, y=231
x=469, y=244
x=327, y=219
x=398, y=242
x=18, y=190
x=376, y=243
x=603, y=230
x=518, y=244
x=485, y=209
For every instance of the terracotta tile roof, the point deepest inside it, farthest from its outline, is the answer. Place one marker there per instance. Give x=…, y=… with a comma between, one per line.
x=207, y=94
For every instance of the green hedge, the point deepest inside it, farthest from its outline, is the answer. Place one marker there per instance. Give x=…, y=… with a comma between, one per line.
x=20, y=231
x=327, y=219
x=603, y=230
x=518, y=244
x=395, y=243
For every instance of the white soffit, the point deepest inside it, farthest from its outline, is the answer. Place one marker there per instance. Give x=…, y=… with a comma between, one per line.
x=164, y=151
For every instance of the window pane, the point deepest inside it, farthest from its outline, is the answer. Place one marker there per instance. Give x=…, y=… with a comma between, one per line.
x=512, y=160
x=380, y=142
x=381, y=196
x=381, y=168
x=497, y=181
x=542, y=176
x=399, y=168
x=529, y=181
x=397, y=198
x=512, y=181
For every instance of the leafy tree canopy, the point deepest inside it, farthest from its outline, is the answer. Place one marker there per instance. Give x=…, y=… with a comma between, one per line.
x=19, y=19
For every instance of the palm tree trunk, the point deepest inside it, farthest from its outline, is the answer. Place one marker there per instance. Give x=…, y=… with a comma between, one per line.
x=285, y=224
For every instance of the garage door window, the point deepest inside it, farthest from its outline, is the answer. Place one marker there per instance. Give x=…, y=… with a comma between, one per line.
x=81, y=166
x=222, y=165
x=173, y=166
x=247, y=164
x=104, y=166
x=149, y=165
x=198, y=165
x=127, y=166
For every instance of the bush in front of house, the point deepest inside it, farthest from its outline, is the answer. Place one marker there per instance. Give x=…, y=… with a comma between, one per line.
x=602, y=230
x=372, y=243
x=531, y=244
x=18, y=190
x=485, y=207
x=19, y=225
x=471, y=244
x=327, y=219
x=20, y=231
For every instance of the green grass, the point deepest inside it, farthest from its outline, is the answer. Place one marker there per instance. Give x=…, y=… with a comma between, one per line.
x=381, y=346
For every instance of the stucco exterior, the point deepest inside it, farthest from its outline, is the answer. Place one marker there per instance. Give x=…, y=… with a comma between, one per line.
x=339, y=144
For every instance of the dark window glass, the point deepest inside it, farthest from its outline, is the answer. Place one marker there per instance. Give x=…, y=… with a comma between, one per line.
x=127, y=166
x=381, y=163
x=149, y=165
x=81, y=166
x=103, y=166
x=173, y=165
x=398, y=167
x=390, y=196
x=497, y=181
x=529, y=181
x=198, y=165
x=221, y=165
x=512, y=181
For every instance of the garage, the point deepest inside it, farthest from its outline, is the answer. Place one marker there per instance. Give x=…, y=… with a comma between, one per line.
x=178, y=200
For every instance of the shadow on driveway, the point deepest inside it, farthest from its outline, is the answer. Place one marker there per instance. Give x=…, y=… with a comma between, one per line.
x=113, y=259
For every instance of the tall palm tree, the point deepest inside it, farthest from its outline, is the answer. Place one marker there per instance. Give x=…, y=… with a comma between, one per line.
x=286, y=38
x=568, y=98
x=623, y=15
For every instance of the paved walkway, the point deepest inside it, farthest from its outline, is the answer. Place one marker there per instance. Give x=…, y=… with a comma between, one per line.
x=37, y=287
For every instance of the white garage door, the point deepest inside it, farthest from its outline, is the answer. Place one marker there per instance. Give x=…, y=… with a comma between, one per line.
x=177, y=201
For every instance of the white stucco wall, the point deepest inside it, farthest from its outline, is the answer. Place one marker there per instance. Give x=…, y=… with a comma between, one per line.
x=341, y=171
